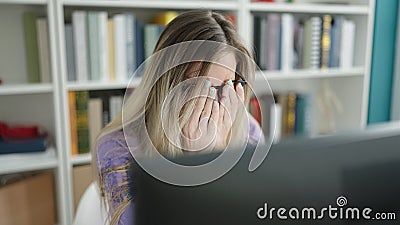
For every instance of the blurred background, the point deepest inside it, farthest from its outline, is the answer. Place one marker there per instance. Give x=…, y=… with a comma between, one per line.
x=333, y=66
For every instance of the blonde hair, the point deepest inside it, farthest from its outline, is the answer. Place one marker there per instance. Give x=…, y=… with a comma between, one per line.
x=142, y=110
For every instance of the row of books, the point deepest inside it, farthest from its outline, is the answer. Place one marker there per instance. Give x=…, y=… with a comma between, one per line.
x=89, y=113
x=36, y=48
x=285, y=42
x=290, y=114
x=101, y=47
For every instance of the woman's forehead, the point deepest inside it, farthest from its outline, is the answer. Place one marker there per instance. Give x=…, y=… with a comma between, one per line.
x=223, y=69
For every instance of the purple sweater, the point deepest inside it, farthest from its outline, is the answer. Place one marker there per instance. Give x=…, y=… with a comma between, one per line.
x=113, y=157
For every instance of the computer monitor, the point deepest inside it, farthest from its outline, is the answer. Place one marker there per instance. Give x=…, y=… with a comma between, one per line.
x=327, y=180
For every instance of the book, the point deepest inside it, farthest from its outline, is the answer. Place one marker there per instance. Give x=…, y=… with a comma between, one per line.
x=151, y=35
x=291, y=114
x=38, y=144
x=69, y=47
x=72, y=122
x=303, y=124
x=115, y=106
x=120, y=41
x=257, y=38
x=316, y=25
x=326, y=41
x=94, y=45
x=164, y=18
x=80, y=45
x=44, y=50
x=298, y=45
x=312, y=43
x=287, y=42
x=95, y=113
x=82, y=121
x=255, y=110
x=139, y=45
x=31, y=46
x=103, y=45
x=111, y=49
x=347, y=44
x=130, y=44
x=336, y=32
x=273, y=39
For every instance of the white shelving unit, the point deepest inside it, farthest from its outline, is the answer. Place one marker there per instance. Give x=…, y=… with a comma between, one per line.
x=351, y=85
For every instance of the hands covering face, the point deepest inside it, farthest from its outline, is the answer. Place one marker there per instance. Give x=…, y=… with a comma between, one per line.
x=210, y=123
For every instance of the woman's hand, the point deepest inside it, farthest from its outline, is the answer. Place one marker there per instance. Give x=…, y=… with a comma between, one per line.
x=199, y=133
x=210, y=123
x=232, y=99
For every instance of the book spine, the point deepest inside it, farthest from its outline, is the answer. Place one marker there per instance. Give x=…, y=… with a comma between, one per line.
x=287, y=42
x=291, y=114
x=103, y=46
x=315, y=42
x=139, y=45
x=263, y=43
x=120, y=46
x=326, y=41
x=80, y=43
x=44, y=53
x=336, y=41
x=82, y=121
x=130, y=44
x=150, y=38
x=72, y=122
x=95, y=110
x=94, y=59
x=307, y=45
x=69, y=47
x=111, y=50
x=276, y=122
x=31, y=47
x=347, y=41
x=273, y=42
x=115, y=106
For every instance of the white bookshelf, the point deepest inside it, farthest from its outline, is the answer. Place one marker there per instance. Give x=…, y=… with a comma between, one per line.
x=309, y=8
x=15, y=163
x=48, y=103
x=81, y=159
x=20, y=89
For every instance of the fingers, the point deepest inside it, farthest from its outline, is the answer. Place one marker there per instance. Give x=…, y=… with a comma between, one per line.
x=208, y=106
x=213, y=122
x=240, y=92
x=198, y=109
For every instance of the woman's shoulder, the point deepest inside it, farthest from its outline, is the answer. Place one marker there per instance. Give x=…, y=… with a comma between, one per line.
x=112, y=150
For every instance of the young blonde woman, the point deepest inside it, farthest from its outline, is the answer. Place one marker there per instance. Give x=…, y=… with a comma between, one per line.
x=205, y=124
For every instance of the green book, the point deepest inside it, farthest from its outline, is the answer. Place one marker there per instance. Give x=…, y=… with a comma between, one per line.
x=31, y=47
x=82, y=121
x=151, y=34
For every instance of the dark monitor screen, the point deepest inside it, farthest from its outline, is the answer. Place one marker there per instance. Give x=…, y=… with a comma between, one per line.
x=328, y=180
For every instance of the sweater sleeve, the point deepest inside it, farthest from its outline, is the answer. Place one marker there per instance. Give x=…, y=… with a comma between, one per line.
x=256, y=136
x=113, y=159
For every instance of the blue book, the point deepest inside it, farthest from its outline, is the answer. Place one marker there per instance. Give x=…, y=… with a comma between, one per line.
x=139, y=43
x=33, y=145
x=303, y=115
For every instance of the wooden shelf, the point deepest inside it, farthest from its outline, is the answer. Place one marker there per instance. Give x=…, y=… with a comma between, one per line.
x=310, y=74
x=309, y=8
x=24, y=162
x=159, y=4
x=16, y=89
x=81, y=159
